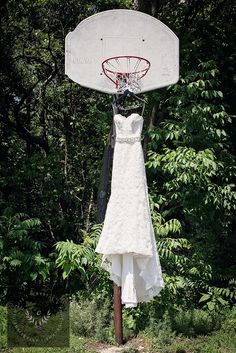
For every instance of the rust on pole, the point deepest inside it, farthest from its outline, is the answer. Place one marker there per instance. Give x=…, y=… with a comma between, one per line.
x=118, y=314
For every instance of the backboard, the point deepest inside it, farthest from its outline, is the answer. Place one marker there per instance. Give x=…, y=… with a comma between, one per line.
x=116, y=34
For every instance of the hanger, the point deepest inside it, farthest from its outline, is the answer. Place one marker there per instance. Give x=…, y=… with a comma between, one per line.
x=118, y=103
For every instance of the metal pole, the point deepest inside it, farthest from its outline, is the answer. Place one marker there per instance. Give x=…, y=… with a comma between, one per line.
x=116, y=289
x=102, y=203
x=118, y=314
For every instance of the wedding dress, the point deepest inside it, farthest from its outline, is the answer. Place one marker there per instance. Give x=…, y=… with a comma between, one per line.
x=127, y=240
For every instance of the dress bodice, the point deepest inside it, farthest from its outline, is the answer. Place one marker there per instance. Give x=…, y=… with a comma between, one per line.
x=128, y=127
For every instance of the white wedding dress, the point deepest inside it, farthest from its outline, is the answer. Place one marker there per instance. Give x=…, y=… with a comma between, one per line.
x=127, y=239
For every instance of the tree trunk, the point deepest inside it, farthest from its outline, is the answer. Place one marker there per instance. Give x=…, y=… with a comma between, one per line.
x=151, y=7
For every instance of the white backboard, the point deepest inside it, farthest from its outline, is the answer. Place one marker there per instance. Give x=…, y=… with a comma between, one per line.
x=116, y=33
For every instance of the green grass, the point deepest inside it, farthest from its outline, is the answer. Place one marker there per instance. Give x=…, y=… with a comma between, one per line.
x=190, y=331
x=221, y=340
x=77, y=345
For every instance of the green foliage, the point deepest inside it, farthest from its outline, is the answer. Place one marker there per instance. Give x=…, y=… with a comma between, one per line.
x=160, y=332
x=3, y=320
x=134, y=320
x=193, y=199
x=218, y=341
x=218, y=298
x=21, y=254
x=192, y=323
x=73, y=256
x=81, y=257
x=92, y=318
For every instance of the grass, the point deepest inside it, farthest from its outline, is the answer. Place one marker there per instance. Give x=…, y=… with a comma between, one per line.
x=77, y=345
x=191, y=331
x=221, y=340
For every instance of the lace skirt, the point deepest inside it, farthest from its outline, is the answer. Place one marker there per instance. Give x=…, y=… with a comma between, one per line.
x=127, y=240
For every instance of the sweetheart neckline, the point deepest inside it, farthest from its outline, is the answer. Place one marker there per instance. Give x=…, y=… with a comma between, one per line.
x=129, y=115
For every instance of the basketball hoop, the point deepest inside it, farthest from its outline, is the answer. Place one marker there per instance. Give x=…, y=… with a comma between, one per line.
x=126, y=71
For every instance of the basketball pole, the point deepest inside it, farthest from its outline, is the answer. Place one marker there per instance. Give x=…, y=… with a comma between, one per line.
x=102, y=204
x=118, y=314
x=116, y=289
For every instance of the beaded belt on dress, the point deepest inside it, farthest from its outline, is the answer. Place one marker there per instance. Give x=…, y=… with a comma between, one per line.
x=128, y=139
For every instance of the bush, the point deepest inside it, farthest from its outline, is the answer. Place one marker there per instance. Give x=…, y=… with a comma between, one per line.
x=93, y=318
x=3, y=320
x=229, y=323
x=160, y=332
x=194, y=322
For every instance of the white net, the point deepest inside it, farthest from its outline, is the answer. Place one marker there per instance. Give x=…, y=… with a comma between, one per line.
x=128, y=81
x=126, y=72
